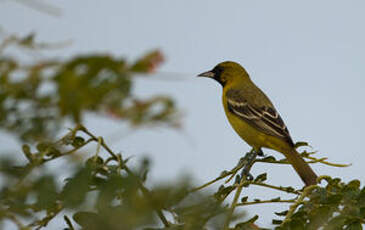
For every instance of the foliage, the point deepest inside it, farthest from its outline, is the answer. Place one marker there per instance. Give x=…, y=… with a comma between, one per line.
x=103, y=192
x=35, y=100
x=120, y=199
x=336, y=206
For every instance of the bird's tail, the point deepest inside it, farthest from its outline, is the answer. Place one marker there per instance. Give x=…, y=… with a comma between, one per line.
x=301, y=167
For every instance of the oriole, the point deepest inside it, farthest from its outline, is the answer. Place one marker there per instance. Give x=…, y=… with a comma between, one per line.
x=254, y=117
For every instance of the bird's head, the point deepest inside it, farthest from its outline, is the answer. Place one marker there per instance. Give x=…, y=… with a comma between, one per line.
x=226, y=72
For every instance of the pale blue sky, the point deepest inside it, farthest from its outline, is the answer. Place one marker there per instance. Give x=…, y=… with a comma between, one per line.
x=307, y=56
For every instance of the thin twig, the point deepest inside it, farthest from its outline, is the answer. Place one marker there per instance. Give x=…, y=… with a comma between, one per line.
x=68, y=152
x=32, y=164
x=312, y=160
x=283, y=162
x=265, y=202
x=284, y=189
x=211, y=182
x=299, y=201
x=100, y=139
x=50, y=215
x=240, y=165
x=234, y=203
x=225, y=174
x=323, y=161
x=247, y=161
x=68, y=222
x=119, y=159
x=83, y=129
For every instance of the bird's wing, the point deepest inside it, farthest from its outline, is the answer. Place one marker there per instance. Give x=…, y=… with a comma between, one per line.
x=264, y=118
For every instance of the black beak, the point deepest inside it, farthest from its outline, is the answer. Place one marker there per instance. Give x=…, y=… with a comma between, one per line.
x=209, y=74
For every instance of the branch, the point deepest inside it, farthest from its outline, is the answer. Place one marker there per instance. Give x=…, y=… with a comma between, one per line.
x=323, y=161
x=240, y=165
x=299, y=201
x=68, y=222
x=68, y=152
x=249, y=160
x=50, y=215
x=313, y=160
x=224, y=174
x=266, y=201
x=280, y=188
x=118, y=158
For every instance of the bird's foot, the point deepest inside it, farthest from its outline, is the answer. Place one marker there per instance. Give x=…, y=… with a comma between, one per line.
x=245, y=173
x=246, y=163
x=261, y=154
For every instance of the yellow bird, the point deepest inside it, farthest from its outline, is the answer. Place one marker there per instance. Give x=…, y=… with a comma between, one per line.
x=254, y=117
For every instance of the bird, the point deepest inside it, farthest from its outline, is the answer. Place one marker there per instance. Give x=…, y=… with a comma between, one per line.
x=254, y=117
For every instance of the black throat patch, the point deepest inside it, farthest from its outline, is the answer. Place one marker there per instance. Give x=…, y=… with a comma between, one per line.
x=218, y=75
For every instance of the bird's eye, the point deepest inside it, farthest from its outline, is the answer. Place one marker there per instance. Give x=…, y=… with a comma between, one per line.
x=217, y=71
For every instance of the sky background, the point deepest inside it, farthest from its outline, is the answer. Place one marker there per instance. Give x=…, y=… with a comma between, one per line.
x=307, y=56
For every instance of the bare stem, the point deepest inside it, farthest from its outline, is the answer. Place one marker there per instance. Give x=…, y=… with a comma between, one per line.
x=265, y=202
x=323, y=161
x=298, y=201
x=247, y=162
x=211, y=182
x=119, y=159
x=234, y=203
x=225, y=174
x=280, y=188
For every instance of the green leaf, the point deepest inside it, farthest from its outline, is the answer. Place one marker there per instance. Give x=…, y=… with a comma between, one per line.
x=300, y=144
x=260, y=178
x=276, y=199
x=283, y=213
x=74, y=191
x=269, y=159
x=48, y=149
x=354, y=184
x=276, y=222
x=94, y=162
x=223, y=192
x=247, y=225
x=354, y=226
x=78, y=142
x=46, y=193
x=27, y=152
x=108, y=190
x=90, y=220
x=244, y=199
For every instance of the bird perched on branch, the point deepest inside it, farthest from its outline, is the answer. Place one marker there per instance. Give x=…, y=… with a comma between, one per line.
x=254, y=117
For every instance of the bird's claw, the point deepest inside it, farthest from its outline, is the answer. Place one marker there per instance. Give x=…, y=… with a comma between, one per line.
x=246, y=174
x=249, y=177
x=260, y=153
x=263, y=155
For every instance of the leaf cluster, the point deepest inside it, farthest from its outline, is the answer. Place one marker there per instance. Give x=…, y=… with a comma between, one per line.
x=36, y=99
x=338, y=205
x=103, y=192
